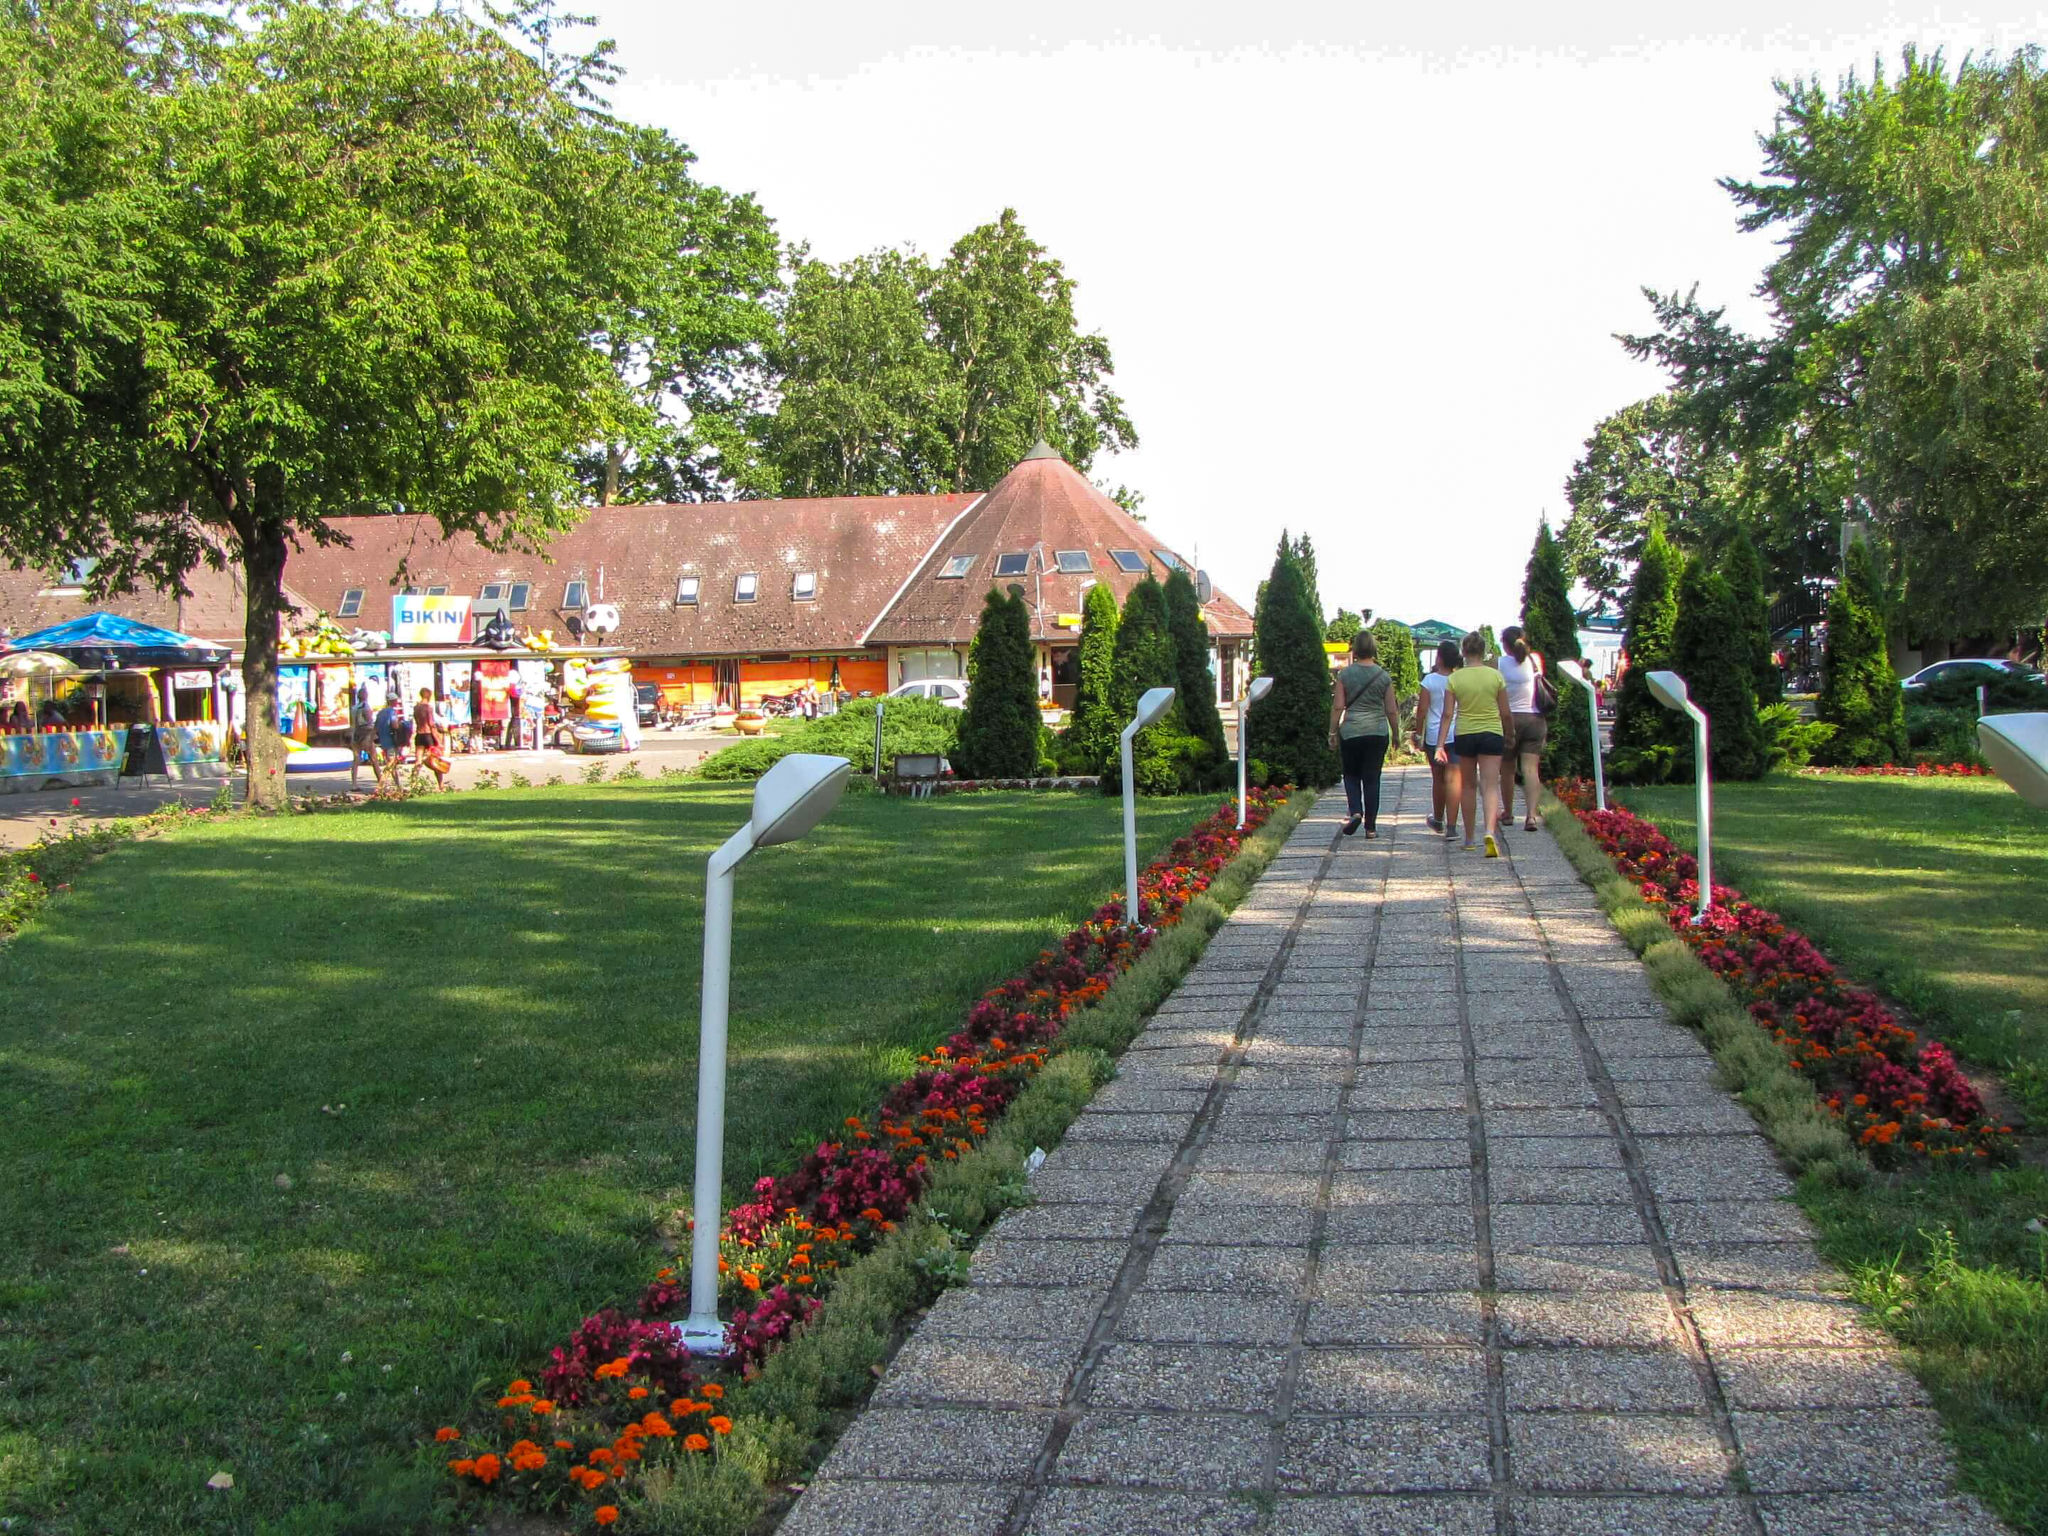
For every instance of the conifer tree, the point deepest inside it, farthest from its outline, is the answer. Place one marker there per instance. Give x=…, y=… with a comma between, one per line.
x=999, y=729
x=1397, y=655
x=1646, y=741
x=1144, y=660
x=1552, y=627
x=1196, y=683
x=1745, y=572
x=1290, y=726
x=1710, y=651
x=1090, y=737
x=1859, y=691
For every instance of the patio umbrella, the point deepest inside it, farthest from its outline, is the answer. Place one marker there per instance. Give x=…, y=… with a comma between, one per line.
x=34, y=664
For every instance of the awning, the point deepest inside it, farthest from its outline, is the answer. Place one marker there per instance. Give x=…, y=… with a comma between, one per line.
x=106, y=640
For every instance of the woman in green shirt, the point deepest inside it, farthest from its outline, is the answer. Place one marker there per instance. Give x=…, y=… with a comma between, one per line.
x=1476, y=712
x=1364, y=717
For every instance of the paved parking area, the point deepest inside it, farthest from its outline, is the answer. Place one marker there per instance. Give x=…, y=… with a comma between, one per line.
x=1409, y=1213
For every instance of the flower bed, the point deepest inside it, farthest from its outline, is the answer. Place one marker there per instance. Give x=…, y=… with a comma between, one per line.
x=1901, y=1097
x=589, y=1427
x=1902, y=771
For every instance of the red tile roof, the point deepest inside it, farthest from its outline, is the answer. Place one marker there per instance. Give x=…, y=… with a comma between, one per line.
x=1040, y=508
x=31, y=600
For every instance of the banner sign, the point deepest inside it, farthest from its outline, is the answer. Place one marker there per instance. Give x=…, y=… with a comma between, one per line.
x=430, y=621
x=191, y=679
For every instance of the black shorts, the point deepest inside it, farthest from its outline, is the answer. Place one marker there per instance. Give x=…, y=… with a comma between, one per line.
x=1479, y=744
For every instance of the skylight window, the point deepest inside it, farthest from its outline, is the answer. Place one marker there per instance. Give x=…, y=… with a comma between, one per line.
x=804, y=586
x=745, y=588
x=1169, y=559
x=351, y=603
x=522, y=593
x=686, y=591
x=957, y=567
x=437, y=591
x=491, y=592
x=1074, y=562
x=574, y=594
x=1013, y=565
x=1129, y=561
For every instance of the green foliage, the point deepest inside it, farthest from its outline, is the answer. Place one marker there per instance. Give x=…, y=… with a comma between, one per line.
x=1859, y=692
x=1641, y=724
x=1303, y=555
x=1492, y=641
x=999, y=728
x=1397, y=654
x=1196, y=683
x=1789, y=739
x=1342, y=627
x=1552, y=627
x=898, y=375
x=1939, y=734
x=1145, y=659
x=1710, y=651
x=908, y=725
x=1745, y=573
x=1089, y=739
x=1290, y=726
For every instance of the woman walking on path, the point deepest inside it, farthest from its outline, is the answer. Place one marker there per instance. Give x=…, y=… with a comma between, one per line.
x=1477, y=721
x=1364, y=715
x=1528, y=727
x=1429, y=730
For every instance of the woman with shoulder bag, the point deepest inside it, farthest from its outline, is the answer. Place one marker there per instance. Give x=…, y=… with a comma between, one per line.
x=1364, y=717
x=1531, y=698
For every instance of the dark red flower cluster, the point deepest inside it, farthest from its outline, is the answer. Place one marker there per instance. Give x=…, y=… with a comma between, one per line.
x=1904, y=771
x=657, y=1356
x=1900, y=1096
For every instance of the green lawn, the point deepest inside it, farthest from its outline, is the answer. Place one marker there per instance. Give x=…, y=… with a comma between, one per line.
x=316, y=1124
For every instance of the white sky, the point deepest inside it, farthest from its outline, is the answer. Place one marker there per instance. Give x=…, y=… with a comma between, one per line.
x=1360, y=266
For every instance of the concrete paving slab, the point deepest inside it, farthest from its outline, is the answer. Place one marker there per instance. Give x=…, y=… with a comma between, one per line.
x=1618, y=1453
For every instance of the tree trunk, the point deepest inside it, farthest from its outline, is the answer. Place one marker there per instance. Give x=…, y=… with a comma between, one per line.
x=263, y=574
x=614, y=457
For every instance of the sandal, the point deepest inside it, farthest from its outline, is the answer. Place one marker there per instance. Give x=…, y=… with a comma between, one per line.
x=1529, y=826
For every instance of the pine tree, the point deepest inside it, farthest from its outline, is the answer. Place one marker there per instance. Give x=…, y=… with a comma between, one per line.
x=1859, y=693
x=1090, y=737
x=1196, y=682
x=1710, y=651
x=1397, y=655
x=1290, y=726
x=1342, y=626
x=1145, y=660
x=1552, y=627
x=1305, y=559
x=1646, y=739
x=1745, y=573
x=999, y=729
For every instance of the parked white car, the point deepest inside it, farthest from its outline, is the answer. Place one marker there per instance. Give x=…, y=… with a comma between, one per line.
x=949, y=691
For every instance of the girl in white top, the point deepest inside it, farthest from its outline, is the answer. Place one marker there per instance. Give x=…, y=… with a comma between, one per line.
x=1519, y=668
x=1429, y=722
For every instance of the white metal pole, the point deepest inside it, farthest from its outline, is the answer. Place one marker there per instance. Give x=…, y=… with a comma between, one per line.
x=1599, y=773
x=1243, y=725
x=880, y=705
x=702, y=1332
x=1130, y=828
x=1705, y=815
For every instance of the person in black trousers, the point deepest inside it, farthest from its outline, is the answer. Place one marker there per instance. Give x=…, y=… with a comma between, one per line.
x=1364, y=718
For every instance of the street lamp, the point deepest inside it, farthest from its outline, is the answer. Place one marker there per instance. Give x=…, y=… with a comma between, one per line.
x=880, y=704
x=1261, y=686
x=1150, y=708
x=791, y=798
x=2016, y=747
x=1670, y=690
x=1576, y=671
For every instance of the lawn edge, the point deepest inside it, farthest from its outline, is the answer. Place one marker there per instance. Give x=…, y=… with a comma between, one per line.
x=785, y=1419
x=1749, y=1061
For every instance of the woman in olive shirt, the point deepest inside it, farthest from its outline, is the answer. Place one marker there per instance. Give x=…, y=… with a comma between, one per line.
x=1476, y=710
x=1364, y=717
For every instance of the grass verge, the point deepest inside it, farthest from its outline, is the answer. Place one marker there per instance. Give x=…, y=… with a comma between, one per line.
x=1951, y=1261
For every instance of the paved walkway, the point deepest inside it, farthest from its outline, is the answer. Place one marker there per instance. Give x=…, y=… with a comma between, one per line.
x=1408, y=1213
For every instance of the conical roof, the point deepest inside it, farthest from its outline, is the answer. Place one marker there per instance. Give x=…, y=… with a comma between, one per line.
x=1044, y=528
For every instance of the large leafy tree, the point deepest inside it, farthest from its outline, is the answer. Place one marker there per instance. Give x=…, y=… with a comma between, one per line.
x=1642, y=466
x=1194, y=681
x=339, y=258
x=999, y=729
x=896, y=373
x=1290, y=726
x=1552, y=627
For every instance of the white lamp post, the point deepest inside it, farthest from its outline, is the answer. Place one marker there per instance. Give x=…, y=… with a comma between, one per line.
x=1261, y=686
x=2016, y=747
x=881, y=703
x=1576, y=671
x=791, y=798
x=1150, y=708
x=1671, y=692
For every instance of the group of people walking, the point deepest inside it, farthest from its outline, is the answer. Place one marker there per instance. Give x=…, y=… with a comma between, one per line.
x=1474, y=712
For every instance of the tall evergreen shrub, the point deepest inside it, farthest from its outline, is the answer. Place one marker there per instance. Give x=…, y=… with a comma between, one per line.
x=1397, y=655
x=1164, y=758
x=1711, y=652
x=1196, y=682
x=1290, y=726
x=999, y=728
x=1859, y=691
x=1090, y=736
x=1745, y=573
x=1647, y=736
x=1552, y=627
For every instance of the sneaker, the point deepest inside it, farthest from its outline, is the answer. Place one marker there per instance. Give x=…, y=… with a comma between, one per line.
x=1492, y=847
x=1470, y=846
x=1351, y=824
x=1432, y=823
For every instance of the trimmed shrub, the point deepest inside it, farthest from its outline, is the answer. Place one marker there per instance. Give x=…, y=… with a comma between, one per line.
x=1397, y=654
x=908, y=725
x=1552, y=626
x=999, y=728
x=1745, y=573
x=747, y=759
x=1145, y=660
x=1196, y=683
x=1646, y=739
x=1789, y=739
x=1090, y=737
x=1710, y=651
x=1859, y=693
x=1291, y=724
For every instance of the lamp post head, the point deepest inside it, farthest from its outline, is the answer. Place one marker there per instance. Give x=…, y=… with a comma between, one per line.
x=795, y=795
x=1151, y=707
x=2016, y=747
x=1670, y=691
x=1572, y=668
x=1261, y=686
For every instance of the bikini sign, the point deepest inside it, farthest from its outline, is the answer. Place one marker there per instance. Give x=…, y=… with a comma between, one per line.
x=430, y=621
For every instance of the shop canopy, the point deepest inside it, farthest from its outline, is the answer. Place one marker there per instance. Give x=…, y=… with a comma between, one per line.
x=1434, y=632
x=106, y=640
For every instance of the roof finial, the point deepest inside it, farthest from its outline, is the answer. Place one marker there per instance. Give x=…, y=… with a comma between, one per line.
x=1041, y=450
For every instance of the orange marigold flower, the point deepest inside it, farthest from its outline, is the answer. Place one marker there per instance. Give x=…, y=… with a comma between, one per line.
x=486, y=1470
x=463, y=1467
x=565, y=1445
x=750, y=1280
x=713, y=1390
x=521, y=1385
x=447, y=1432
x=543, y=1405
x=637, y=1393
x=682, y=1407
x=531, y=1461
x=605, y=1514
x=656, y=1425
x=696, y=1443
x=613, y=1368
x=600, y=1456
x=721, y=1424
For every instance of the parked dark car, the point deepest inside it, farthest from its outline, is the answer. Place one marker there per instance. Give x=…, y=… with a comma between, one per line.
x=647, y=703
x=1968, y=672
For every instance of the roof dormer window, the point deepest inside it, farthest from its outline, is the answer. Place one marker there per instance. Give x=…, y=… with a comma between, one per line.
x=1013, y=565
x=1074, y=562
x=686, y=591
x=574, y=595
x=746, y=588
x=351, y=603
x=1129, y=561
x=804, y=586
x=957, y=567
